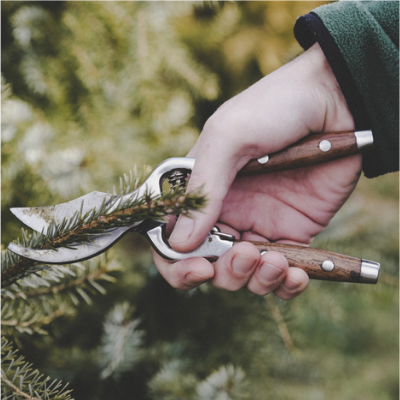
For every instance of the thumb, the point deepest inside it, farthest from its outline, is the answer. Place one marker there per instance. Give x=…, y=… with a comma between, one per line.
x=213, y=177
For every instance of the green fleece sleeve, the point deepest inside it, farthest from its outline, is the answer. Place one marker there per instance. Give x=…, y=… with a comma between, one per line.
x=366, y=34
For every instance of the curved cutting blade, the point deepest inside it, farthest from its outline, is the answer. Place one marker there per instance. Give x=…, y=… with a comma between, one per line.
x=66, y=255
x=40, y=218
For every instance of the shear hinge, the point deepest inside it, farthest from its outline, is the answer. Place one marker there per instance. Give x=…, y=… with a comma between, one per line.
x=178, y=178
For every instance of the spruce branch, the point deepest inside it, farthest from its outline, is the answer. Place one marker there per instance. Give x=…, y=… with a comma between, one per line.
x=173, y=381
x=14, y=267
x=121, y=211
x=36, y=300
x=26, y=317
x=228, y=382
x=121, y=342
x=31, y=322
x=60, y=279
x=283, y=328
x=21, y=381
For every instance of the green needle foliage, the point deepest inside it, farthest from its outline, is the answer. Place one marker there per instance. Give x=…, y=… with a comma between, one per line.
x=33, y=302
x=92, y=88
x=225, y=380
x=20, y=381
x=34, y=295
x=121, y=342
x=80, y=229
x=120, y=212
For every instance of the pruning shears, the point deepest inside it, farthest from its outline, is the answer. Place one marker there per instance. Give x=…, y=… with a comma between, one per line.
x=319, y=264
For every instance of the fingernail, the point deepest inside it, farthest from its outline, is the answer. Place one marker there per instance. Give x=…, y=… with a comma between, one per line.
x=242, y=264
x=182, y=230
x=269, y=273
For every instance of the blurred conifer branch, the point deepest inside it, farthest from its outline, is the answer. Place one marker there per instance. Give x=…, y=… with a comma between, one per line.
x=37, y=299
x=280, y=321
x=121, y=343
x=227, y=382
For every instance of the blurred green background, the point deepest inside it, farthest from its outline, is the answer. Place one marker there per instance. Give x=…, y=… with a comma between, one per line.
x=92, y=89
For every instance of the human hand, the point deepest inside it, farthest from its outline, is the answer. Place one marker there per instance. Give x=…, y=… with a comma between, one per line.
x=288, y=207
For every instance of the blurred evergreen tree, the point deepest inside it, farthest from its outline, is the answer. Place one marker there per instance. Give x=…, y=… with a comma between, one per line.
x=90, y=89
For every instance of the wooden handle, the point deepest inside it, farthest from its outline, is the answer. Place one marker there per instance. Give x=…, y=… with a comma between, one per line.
x=313, y=149
x=325, y=265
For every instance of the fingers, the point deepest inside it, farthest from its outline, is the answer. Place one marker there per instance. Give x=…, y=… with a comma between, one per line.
x=235, y=267
x=294, y=284
x=274, y=275
x=185, y=274
x=242, y=266
x=269, y=274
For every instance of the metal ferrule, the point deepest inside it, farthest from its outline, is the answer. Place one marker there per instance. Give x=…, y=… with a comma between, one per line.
x=364, y=139
x=369, y=271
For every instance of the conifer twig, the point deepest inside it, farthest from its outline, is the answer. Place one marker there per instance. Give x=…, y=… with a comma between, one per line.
x=44, y=321
x=83, y=228
x=97, y=274
x=19, y=379
x=16, y=390
x=283, y=329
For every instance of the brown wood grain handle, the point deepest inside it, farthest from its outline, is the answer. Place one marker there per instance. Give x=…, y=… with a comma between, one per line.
x=313, y=149
x=325, y=265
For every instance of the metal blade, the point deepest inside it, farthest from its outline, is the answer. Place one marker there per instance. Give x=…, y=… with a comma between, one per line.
x=64, y=255
x=212, y=247
x=39, y=218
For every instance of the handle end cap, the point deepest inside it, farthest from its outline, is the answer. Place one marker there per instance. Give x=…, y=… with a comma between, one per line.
x=369, y=271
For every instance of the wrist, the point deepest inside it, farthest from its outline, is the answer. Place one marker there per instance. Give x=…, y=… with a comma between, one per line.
x=320, y=76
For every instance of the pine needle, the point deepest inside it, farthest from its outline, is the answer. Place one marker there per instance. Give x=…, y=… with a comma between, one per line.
x=81, y=229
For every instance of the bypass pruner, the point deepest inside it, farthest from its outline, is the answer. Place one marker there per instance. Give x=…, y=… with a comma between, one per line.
x=319, y=264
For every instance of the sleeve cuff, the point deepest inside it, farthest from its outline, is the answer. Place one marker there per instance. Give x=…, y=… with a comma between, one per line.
x=310, y=29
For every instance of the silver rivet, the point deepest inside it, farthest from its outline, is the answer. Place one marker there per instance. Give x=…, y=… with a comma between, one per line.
x=263, y=160
x=328, y=265
x=325, y=145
